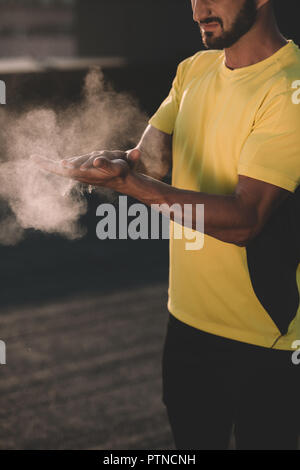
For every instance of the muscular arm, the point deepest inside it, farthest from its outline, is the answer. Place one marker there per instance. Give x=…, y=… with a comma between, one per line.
x=235, y=218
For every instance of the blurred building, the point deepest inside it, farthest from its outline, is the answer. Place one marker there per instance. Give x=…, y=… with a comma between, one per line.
x=37, y=28
x=138, y=30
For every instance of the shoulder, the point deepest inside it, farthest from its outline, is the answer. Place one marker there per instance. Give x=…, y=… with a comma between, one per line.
x=206, y=56
x=199, y=61
x=287, y=76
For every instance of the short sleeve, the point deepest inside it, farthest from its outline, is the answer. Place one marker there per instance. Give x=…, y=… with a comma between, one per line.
x=165, y=117
x=271, y=153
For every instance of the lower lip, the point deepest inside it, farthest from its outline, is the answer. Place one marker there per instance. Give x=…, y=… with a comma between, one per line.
x=210, y=26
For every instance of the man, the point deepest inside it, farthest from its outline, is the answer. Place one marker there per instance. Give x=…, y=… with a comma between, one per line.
x=231, y=127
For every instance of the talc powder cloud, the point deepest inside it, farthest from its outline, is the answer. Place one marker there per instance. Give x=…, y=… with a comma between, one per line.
x=103, y=119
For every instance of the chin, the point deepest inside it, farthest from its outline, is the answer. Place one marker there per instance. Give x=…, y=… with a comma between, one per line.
x=212, y=42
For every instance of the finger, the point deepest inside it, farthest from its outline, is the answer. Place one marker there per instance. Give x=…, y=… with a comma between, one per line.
x=109, y=154
x=70, y=160
x=133, y=155
x=88, y=163
x=46, y=163
x=103, y=164
x=76, y=162
x=52, y=166
x=94, y=176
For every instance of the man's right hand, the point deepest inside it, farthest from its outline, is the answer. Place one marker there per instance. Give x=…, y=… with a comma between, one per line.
x=152, y=156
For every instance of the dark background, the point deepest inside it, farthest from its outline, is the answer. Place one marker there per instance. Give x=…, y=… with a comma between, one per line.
x=84, y=321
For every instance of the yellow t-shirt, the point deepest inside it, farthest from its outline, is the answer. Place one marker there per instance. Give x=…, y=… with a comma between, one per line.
x=225, y=123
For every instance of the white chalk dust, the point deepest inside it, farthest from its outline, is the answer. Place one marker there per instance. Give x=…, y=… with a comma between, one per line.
x=103, y=119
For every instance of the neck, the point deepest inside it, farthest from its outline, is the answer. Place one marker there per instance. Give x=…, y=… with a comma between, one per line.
x=263, y=40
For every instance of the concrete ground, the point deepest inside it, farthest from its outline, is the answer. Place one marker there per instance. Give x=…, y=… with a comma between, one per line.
x=83, y=372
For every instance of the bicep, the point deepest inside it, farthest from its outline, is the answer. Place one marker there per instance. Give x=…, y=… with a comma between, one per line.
x=258, y=200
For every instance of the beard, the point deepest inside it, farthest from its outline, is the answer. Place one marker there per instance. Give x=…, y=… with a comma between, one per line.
x=243, y=22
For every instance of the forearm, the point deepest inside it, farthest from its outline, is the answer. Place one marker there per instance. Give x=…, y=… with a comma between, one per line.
x=224, y=218
x=235, y=218
x=155, y=149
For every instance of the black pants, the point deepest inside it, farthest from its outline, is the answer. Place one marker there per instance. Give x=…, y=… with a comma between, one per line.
x=212, y=383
